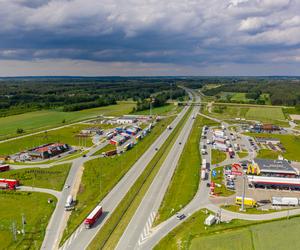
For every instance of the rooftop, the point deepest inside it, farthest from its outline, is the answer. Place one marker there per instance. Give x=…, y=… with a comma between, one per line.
x=275, y=166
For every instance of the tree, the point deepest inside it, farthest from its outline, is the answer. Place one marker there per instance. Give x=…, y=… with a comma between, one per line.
x=20, y=131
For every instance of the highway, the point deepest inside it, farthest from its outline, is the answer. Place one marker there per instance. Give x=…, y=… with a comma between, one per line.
x=141, y=222
x=59, y=216
x=81, y=238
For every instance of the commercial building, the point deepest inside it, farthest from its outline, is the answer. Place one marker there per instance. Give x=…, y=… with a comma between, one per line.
x=91, y=131
x=126, y=119
x=48, y=150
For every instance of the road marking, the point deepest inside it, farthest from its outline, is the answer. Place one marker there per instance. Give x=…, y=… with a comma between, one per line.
x=147, y=228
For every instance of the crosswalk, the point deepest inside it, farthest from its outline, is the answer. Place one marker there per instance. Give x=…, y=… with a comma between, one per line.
x=73, y=237
x=147, y=229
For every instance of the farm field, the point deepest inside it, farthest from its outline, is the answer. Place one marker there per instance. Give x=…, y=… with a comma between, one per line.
x=37, y=213
x=290, y=142
x=265, y=114
x=52, y=178
x=63, y=135
x=102, y=174
x=163, y=110
x=46, y=119
x=236, y=235
x=185, y=181
x=217, y=156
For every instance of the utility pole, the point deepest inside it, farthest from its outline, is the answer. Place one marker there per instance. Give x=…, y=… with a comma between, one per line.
x=14, y=231
x=23, y=224
x=243, y=196
x=171, y=92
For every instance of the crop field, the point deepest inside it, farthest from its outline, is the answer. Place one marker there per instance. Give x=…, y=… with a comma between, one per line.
x=265, y=114
x=37, y=213
x=101, y=175
x=52, y=178
x=63, y=135
x=236, y=235
x=185, y=181
x=46, y=119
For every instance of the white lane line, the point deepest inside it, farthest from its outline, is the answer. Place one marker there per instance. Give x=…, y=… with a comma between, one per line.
x=147, y=228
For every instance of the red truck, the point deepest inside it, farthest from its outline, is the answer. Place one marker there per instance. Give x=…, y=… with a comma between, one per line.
x=12, y=184
x=4, y=168
x=93, y=217
x=111, y=152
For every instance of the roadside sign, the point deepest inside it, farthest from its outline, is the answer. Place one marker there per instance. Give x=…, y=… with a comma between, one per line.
x=214, y=173
x=236, y=173
x=236, y=166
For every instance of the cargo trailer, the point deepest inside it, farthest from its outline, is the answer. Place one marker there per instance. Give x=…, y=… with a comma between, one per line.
x=285, y=201
x=93, y=217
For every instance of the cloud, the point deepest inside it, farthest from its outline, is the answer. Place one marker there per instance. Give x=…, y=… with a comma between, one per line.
x=187, y=33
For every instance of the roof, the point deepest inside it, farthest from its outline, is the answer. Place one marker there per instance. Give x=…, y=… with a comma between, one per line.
x=94, y=212
x=47, y=147
x=263, y=139
x=275, y=166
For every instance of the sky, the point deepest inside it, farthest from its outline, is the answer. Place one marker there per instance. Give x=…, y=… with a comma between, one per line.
x=149, y=37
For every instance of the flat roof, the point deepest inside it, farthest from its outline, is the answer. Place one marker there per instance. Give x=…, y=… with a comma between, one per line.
x=266, y=139
x=275, y=166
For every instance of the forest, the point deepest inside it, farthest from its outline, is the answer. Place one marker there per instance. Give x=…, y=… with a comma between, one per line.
x=73, y=94
x=281, y=91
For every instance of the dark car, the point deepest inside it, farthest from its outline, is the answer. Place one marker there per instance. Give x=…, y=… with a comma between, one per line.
x=181, y=217
x=84, y=156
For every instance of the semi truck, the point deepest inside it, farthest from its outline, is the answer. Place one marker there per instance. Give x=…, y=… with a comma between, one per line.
x=69, y=203
x=203, y=163
x=93, y=217
x=4, y=168
x=3, y=186
x=111, y=152
x=285, y=201
x=169, y=127
x=12, y=184
x=247, y=201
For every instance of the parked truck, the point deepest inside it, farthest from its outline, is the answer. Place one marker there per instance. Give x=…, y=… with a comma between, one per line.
x=203, y=174
x=93, y=217
x=111, y=152
x=203, y=163
x=4, y=168
x=247, y=201
x=12, y=184
x=285, y=201
x=69, y=203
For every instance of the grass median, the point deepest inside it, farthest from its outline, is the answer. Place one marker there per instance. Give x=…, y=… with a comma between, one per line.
x=185, y=181
x=102, y=174
x=111, y=232
x=217, y=156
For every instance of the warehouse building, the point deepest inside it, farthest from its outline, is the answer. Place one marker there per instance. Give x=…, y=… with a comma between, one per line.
x=48, y=150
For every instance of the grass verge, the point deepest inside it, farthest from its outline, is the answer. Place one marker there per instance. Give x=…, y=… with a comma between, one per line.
x=110, y=233
x=108, y=147
x=217, y=156
x=219, y=179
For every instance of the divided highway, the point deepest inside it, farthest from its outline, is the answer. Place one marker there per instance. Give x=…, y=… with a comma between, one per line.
x=139, y=226
x=81, y=238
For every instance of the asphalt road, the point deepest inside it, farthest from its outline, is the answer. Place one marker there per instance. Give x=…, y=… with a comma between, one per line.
x=142, y=220
x=57, y=221
x=81, y=238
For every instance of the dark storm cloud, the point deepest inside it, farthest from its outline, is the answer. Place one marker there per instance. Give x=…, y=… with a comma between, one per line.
x=191, y=33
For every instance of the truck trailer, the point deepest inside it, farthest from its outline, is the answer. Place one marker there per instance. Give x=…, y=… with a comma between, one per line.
x=93, y=217
x=203, y=174
x=285, y=201
x=12, y=184
x=4, y=168
x=69, y=203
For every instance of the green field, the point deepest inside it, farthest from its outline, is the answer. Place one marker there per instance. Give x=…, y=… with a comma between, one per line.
x=290, y=142
x=220, y=191
x=217, y=156
x=268, y=154
x=46, y=119
x=239, y=97
x=265, y=114
x=114, y=227
x=224, y=111
x=37, y=213
x=163, y=110
x=236, y=235
x=102, y=174
x=52, y=178
x=63, y=135
x=185, y=181
x=105, y=149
